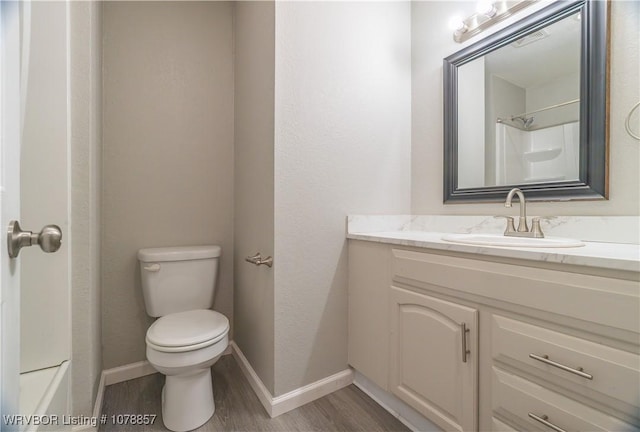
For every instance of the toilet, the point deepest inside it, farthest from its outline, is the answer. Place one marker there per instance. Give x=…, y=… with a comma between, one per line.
x=178, y=284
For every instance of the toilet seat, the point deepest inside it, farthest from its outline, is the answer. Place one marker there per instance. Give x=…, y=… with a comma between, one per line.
x=187, y=331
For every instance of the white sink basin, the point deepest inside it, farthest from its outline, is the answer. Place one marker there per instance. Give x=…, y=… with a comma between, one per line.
x=500, y=240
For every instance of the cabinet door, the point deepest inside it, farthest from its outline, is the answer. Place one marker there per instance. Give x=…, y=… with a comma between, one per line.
x=429, y=369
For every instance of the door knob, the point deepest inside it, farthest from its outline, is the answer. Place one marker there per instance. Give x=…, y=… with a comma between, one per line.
x=49, y=239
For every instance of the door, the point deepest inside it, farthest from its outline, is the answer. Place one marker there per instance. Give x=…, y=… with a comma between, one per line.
x=10, y=125
x=434, y=358
x=44, y=284
x=34, y=184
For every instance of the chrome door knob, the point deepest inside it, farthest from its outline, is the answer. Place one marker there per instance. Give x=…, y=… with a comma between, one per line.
x=49, y=239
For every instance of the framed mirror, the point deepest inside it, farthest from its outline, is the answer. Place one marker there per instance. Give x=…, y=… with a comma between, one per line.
x=527, y=107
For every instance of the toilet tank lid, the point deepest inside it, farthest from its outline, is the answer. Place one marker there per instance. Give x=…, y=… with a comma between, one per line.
x=179, y=253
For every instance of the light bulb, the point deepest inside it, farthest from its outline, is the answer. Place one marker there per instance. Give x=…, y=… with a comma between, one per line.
x=487, y=8
x=456, y=24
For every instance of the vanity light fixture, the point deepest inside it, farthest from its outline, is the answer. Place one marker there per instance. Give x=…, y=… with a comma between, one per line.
x=487, y=14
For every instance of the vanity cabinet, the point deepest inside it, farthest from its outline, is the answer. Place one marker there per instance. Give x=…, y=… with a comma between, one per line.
x=368, y=294
x=434, y=358
x=550, y=346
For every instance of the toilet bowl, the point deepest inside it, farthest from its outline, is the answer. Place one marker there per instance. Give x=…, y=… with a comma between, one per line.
x=183, y=346
x=178, y=284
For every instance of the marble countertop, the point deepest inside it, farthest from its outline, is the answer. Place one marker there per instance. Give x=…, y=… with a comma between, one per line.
x=410, y=231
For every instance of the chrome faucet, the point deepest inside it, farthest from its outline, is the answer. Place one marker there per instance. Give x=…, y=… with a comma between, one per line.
x=523, y=229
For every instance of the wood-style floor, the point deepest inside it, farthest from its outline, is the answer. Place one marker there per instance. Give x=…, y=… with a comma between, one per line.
x=238, y=408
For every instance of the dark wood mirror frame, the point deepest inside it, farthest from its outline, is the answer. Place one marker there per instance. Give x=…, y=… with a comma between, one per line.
x=594, y=107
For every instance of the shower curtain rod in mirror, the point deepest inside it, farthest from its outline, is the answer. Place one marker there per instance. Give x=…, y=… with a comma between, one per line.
x=546, y=108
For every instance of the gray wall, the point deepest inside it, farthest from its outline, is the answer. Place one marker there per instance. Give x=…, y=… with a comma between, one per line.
x=168, y=151
x=342, y=146
x=432, y=41
x=86, y=148
x=254, y=216
x=337, y=142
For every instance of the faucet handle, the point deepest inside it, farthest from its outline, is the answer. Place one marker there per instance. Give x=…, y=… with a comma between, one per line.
x=536, y=230
x=510, y=224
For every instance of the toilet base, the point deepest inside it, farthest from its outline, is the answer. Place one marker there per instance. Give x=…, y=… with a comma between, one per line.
x=187, y=400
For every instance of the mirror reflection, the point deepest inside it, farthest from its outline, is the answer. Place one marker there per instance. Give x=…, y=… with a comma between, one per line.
x=519, y=110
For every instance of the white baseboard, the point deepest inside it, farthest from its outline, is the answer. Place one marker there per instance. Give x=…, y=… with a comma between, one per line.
x=228, y=351
x=254, y=380
x=303, y=395
x=403, y=412
x=115, y=376
x=118, y=375
x=276, y=406
x=127, y=372
x=273, y=405
x=97, y=406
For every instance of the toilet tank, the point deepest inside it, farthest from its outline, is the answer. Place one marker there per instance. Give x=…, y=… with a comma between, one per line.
x=177, y=279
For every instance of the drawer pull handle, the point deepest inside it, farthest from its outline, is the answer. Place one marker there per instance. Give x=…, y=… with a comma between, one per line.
x=465, y=351
x=545, y=421
x=578, y=371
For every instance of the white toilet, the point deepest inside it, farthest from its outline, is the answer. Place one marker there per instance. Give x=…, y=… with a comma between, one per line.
x=178, y=284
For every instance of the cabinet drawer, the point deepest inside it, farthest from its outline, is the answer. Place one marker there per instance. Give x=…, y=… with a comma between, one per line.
x=599, y=301
x=614, y=372
x=498, y=426
x=516, y=396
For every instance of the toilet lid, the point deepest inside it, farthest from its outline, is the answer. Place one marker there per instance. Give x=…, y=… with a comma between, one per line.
x=187, y=328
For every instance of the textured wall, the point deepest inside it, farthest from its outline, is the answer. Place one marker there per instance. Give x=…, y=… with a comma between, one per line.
x=168, y=151
x=86, y=148
x=432, y=41
x=342, y=145
x=253, y=181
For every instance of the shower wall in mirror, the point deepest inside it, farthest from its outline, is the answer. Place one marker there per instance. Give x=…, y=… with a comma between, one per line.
x=524, y=100
x=527, y=107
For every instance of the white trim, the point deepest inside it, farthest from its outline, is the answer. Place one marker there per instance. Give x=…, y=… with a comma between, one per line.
x=118, y=375
x=400, y=410
x=114, y=376
x=303, y=395
x=127, y=372
x=276, y=406
x=254, y=380
x=10, y=142
x=97, y=406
